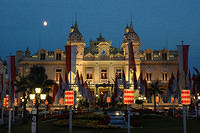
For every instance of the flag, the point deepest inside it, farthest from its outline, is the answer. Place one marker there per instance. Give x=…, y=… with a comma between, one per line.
x=55, y=90
x=70, y=52
x=188, y=81
x=60, y=92
x=67, y=85
x=171, y=88
x=117, y=90
x=194, y=90
x=11, y=77
x=90, y=96
x=2, y=91
x=78, y=83
x=141, y=83
x=131, y=58
x=183, y=51
x=178, y=91
x=124, y=80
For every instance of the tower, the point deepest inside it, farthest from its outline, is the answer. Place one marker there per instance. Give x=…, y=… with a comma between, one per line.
x=75, y=38
x=131, y=36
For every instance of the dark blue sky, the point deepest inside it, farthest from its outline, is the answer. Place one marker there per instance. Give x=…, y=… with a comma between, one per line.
x=159, y=23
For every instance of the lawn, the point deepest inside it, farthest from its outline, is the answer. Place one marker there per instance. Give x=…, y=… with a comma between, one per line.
x=149, y=126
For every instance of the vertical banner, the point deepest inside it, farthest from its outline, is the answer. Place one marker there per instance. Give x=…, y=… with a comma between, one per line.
x=7, y=101
x=69, y=98
x=185, y=97
x=108, y=100
x=128, y=96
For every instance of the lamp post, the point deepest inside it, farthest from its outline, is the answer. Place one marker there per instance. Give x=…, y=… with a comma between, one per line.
x=37, y=96
x=197, y=104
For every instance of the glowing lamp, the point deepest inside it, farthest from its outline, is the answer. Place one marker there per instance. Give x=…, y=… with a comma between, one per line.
x=32, y=96
x=43, y=96
x=38, y=90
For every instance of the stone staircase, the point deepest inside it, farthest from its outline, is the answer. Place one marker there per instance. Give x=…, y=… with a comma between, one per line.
x=118, y=120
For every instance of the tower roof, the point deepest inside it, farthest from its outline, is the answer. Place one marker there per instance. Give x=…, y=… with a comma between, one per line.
x=75, y=35
x=131, y=35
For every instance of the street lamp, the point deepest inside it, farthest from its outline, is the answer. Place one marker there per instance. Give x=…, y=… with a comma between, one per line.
x=37, y=96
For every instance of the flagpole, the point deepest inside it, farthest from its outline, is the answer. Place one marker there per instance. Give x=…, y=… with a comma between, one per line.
x=129, y=65
x=70, y=107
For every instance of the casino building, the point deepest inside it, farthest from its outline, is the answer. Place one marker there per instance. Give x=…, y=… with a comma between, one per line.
x=100, y=62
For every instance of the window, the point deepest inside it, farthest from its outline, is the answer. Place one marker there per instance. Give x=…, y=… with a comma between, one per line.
x=42, y=56
x=149, y=76
x=164, y=56
x=119, y=73
x=89, y=72
x=164, y=76
x=58, y=74
x=148, y=56
x=58, y=56
x=103, y=74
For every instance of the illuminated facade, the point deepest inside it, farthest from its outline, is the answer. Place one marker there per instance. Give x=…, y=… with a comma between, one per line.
x=99, y=62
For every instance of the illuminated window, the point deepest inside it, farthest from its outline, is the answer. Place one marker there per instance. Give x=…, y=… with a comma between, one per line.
x=149, y=76
x=164, y=76
x=42, y=56
x=58, y=74
x=104, y=74
x=89, y=72
x=119, y=73
x=148, y=56
x=58, y=56
x=164, y=56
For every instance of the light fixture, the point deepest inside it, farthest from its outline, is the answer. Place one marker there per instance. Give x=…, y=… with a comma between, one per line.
x=32, y=96
x=38, y=90
x=43, y=96
x=198, y=97
x=22, y=100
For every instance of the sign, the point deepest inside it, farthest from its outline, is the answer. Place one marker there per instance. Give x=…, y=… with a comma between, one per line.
x=7, y=99
x=185, y=97
x=4, y=102
x=172, y=99
x=128, y=96
x=15, y=102
x=108, y=99
x=69, y=98
x=157, y=99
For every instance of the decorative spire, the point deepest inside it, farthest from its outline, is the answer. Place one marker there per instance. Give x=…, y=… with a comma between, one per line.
x=76, y=25
x=28, y=53
x=131, y=27
x=100, y=38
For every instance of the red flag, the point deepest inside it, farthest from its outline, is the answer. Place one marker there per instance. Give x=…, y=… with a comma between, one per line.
x=55, y=90
x=185, y=57
x=132, y=58
x=70, y=52
x=68, y=58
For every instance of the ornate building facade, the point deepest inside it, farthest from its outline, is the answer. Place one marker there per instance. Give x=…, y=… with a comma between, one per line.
x=100, y=62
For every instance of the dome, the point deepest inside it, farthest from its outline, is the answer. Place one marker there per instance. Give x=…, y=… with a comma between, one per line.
x=75, y=35
x=131, y=35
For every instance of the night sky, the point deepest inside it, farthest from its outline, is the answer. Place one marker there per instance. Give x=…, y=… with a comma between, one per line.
x=159, y=23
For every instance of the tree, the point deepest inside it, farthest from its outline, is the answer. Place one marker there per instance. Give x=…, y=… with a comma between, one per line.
x=22, y=87
x=27, y=84
x=154, y=90
x=38, y=78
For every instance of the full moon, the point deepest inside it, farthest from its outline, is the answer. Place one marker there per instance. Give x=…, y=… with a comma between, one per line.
x=45, y=23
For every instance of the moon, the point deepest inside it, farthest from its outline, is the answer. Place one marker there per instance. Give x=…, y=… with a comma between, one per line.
x=45, y=23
